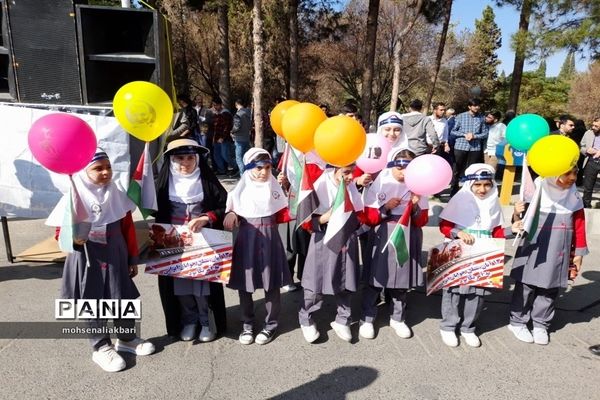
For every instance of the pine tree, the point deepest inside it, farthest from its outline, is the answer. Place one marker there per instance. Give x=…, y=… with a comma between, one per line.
x=567, y=71
x=542, y=69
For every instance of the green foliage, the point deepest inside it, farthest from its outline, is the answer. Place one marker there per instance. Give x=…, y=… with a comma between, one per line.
x=567, y=71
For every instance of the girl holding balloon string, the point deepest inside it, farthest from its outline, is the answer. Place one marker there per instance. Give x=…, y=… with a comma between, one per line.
x=555, y=225
x=386, y=201
x=104, y=257
x=473, y=212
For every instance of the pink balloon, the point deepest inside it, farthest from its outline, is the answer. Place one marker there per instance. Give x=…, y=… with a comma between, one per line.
x=428, y=174
x=62, y=143
x=374, y=156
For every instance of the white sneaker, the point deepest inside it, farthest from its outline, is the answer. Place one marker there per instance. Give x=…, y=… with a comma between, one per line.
x=206, y=335
x=264, y=336
x=137, y=346
x=366, y=330
x=290, y=288
x=471, y=339
x=108, y=359
x=246, y=337
x=343, y=331
x=401, y=329
x=310, y=333
x=540, y=336
x=449, y=338
x=521, y=332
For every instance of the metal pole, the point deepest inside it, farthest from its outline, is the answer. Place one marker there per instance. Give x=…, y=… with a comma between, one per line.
x=7, y=243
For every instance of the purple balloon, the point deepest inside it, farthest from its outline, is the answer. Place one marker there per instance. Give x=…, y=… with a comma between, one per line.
x=428, y=174
x=374, y=156
x=62, y=143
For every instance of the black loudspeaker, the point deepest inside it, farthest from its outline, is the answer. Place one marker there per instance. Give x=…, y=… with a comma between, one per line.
x=120, y=45
x=43, y=50
x=8, y=91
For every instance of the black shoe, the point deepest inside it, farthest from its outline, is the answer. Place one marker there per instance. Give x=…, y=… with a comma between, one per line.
x=595, y=349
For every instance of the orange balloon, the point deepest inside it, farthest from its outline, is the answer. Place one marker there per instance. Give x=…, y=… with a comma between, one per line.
x=340, y=140
x=299, y=124
x=277, y=115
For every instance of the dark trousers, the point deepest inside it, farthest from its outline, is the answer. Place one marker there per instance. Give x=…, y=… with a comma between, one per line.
x=590, y=174
x=462, y=160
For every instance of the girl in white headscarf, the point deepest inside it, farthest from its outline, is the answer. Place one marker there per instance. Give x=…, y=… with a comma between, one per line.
x=257, y=205
x=473, y=212
x=541, y=264
x=104, y=258
x=385, y=202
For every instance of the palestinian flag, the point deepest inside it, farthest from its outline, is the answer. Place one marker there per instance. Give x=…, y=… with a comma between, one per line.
x=343, y=221
x=74, y=217
x=532, y=215
x=527, y=189
x=293, y=171
x=308, y=201
x=141, y=186
x=400, y=237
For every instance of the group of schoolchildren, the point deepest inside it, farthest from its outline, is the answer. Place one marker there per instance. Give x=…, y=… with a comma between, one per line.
x=189, y=193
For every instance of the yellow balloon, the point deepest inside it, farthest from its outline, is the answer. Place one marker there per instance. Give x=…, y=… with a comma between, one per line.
x=553, y=155
x=143, y=109
x=299, y=124
x=340, y=140
x=277, y=115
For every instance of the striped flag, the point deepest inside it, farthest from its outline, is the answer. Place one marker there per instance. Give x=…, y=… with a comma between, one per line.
x=294, y=175
x=400, y=237
x=308, y=201
x=141, y=186
x=73, y=220
x=527, y=189
x=343, y=221
x=532, y=215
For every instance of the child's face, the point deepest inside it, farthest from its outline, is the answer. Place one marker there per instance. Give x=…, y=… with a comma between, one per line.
x=100, y=172
x=262, y=173
x=568, y=179
x=398, y=172
x=187, y=163
x=391, y=133
x=481, y=188
x=344, y=173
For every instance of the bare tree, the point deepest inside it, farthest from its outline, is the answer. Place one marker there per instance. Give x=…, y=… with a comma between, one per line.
x=371, y=39
x=223, y=38
x=257, y=89
x=293, y=29
x=440, y=51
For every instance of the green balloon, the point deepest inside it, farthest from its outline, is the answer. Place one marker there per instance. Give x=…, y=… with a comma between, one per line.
x=523, y=131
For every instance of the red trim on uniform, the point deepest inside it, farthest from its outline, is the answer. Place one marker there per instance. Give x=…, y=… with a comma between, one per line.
x=212, y=217
x=446, y=228
x=128, y=229
x=579, y=239
x=498, y=232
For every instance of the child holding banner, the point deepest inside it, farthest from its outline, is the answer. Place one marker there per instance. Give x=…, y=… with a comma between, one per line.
x=257, y=204
x=393, y=260
x=332, y=262
x=555, y=226
x=189, y=193
x=104, y=257
x=473, y=212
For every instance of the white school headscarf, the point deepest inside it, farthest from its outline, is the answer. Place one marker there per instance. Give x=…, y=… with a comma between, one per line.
x=555, y=199
x=103, y=204
x=254, y=199
x=386, y=187
x=185, y=188
x=392, y=118
x=467, y=210
x=326, y=189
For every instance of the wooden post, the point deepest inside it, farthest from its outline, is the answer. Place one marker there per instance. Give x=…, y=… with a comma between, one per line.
x=508, y=178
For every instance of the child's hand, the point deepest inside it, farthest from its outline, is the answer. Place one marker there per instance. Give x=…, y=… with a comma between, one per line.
x=467, y=238
x=283, y=180
x=364, y=179
x=519, y=208
x=517, y=226
x=231, y=221
x=415, y=198
x=392, y=203
x=79, y=241
x=133, y=270
x=323, y=219
x=197, y=223
x=578, y=261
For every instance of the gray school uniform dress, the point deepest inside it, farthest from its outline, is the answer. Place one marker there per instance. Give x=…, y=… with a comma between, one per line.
x=190, y=292
x=382, y=270
x=540, y=268
x=107, y=277
x=326, y=272
x=259, y=262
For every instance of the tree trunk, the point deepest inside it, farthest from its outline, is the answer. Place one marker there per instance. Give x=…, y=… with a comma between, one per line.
x=223, y=38
x=440, y=51
x=293, y=28
x=257, y=39
x=398, y=48
x=367, y=81
x=517, y=75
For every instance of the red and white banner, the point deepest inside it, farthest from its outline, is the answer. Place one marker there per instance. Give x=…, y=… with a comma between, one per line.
x=458, y=264
x=176, y=251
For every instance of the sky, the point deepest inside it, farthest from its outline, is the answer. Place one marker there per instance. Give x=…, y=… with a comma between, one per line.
x=464, y=14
